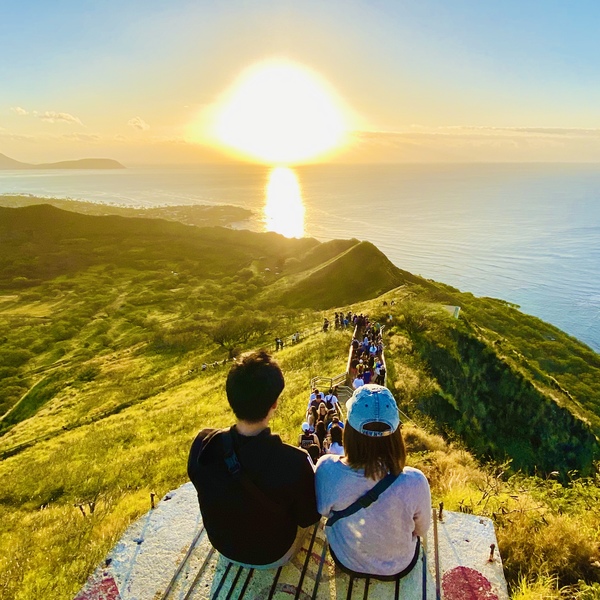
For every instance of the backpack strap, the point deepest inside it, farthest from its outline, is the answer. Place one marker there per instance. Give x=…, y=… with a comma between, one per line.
x=235, y=470
x=231, y=459
x=364, y=501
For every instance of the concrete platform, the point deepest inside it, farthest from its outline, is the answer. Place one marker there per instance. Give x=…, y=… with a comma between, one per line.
x=166, y=555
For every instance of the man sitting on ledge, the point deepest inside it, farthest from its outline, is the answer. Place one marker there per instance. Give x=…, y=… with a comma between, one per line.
x=256, y=493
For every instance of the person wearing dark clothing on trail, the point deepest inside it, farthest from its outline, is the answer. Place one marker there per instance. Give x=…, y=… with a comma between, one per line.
x=314, y=452
x=321, y=433
x=307, y=438
x=256, y=493
x=322, y=412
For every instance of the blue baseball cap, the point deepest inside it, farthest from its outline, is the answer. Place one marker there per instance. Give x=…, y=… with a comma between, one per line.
x=371, y=404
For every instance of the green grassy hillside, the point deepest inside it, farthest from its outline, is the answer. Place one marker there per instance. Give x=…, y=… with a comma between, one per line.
x=106, y=321
x=358, y=273
x=80, y=287
x=500, y=409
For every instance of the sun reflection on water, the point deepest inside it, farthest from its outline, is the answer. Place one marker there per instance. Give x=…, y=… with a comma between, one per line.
x=284, y=209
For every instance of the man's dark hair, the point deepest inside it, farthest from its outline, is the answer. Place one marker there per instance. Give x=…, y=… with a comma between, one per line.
x=253, y=385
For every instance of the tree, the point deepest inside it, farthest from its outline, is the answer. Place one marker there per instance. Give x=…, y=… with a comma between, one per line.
x=234, y=331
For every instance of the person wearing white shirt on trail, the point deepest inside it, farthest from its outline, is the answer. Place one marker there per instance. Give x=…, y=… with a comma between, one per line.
x=331, y=398
x=358, y=382
x=378, y=366
x=336, y=444
x=331, y=401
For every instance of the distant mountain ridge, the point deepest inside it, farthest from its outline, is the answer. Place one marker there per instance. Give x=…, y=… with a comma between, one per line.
x=66, y=242
x=7, y=163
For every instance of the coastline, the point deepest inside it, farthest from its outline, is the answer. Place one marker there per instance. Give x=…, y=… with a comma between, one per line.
x=527, y=234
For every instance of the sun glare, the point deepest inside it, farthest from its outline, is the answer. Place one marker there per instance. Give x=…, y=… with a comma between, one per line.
x=284, y=209
x=280, y=113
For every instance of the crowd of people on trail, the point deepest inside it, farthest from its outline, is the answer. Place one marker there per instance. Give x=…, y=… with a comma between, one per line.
x=344, y=320
x=366, y=363
x=323, y=426
x=341, y=321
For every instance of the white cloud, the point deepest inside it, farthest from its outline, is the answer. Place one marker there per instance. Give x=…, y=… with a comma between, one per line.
x=52, y=117
x=16, y=137
x=81, y=137
x=465, y=143
x=138, y=123
x=20, y=111
x=468, y=132
x=575, y=132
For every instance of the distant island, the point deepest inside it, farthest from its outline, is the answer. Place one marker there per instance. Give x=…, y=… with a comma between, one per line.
x=7, y=163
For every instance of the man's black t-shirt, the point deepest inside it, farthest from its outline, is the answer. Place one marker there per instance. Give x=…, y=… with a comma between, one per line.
x=238, y=526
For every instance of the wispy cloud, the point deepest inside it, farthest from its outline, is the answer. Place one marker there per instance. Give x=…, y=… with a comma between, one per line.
x=81, y=137
x=138, y=123
x=573, y=132
x=52, y=117
x=467, y=132
x=466, y=143
x=16, y=137
x=18, y=110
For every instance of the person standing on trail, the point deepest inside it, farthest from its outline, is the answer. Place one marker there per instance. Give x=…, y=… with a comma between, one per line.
x=358, y=382
x=307, y=437
x=377, y=507
x=331, y=401
x=336, y=443
x=256, y=494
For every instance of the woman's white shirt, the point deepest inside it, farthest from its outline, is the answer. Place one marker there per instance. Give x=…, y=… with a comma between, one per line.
x=380, y=539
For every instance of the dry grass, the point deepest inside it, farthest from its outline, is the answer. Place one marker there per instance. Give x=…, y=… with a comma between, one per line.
x=564, y=547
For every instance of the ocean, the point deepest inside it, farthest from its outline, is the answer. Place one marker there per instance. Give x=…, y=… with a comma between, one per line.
x=526, y=233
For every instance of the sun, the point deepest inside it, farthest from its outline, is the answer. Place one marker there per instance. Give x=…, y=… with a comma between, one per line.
x=280, y=113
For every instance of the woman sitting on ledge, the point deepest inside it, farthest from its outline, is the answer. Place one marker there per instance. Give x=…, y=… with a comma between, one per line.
x=381, y=540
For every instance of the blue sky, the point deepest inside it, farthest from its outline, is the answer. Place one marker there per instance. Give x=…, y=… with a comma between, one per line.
x=428, y=80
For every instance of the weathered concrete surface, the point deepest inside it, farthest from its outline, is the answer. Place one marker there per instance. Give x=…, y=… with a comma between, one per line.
x=464, y=551
x=166, y=554
x=144, y=560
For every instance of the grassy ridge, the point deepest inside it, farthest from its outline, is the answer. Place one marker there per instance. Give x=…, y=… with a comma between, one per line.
x=359, y=273
x=498, y=410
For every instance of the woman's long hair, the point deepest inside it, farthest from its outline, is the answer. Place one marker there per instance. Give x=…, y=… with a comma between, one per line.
x=321, y=432
x=337, y=435
x=378, y=456
x=322, y=414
